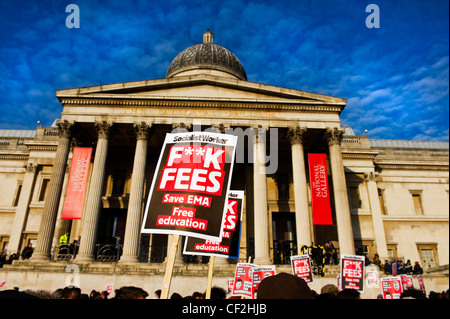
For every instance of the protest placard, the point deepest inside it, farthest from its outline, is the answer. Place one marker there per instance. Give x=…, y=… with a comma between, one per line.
x=259, y=273
x=352, y=272
x=407, y=282
x=372, y=278
x=421, y=283
x=230, y=244
x=301, y=267
x=391, y=287
x=230, y=286
x=243, y=280
x=190, y=186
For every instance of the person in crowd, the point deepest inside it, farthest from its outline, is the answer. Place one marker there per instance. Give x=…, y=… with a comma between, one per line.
x=284, y=286
x=64, y=239
x=412, y=293
x=349, y=294
x=130, y=292
x=157, y=294
x=401, y=268
x=104, y=295
x=394, y=267
x=2, y=260
x=417, y=269
x=176, y=295
x=329, y=253
x=329, y=289
x=27, y=252
x=197, y=295
x=377, y=261
x=75, y=245
x=94, y=295
x=71, y=292
x=218, y=293
x=366, y=260
x=387, y=268
x=408, y=267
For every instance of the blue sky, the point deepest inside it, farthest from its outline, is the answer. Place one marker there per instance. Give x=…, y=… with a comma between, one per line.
x=396, y=77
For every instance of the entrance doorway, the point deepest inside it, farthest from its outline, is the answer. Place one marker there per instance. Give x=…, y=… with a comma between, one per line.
x=284, y=237
x=112, y=226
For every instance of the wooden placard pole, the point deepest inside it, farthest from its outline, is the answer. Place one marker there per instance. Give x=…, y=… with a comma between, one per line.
x=169, y=266
x=210, y=276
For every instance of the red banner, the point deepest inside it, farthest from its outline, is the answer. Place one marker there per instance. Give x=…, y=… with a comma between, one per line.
x=76, y=189
x=321, y=208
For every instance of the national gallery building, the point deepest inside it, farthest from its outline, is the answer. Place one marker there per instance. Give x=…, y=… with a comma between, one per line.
x=387, y=197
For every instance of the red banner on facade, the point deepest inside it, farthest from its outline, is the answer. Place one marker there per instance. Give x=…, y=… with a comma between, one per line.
x=76, y=188
x=321, y=208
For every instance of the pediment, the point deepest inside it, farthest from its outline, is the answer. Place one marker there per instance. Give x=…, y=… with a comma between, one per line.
x=201, y=87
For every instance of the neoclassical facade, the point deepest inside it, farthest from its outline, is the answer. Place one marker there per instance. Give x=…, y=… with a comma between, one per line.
x=388, y=197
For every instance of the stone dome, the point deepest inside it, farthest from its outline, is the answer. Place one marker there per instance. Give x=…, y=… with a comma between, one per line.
x=206, y=56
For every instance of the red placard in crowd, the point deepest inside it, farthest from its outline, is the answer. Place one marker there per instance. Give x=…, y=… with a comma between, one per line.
x=352, y=272
x=421, y=283
x=259, y=273
x=229, y=246
x=391, y=287
x=320, y=195
x=301, y=267
x=190, y=186
x=76, y=187
x=243, y=280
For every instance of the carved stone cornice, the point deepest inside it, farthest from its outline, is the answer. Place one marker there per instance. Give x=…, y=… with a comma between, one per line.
x=32, y=167
x=15, y=157
x=221, y=128
x=370, y=176
x=304, y=106
x=142, y=130
x=64, y=128
x=104, y=129
x=334, y=136
x=296, y=135
x=180, y=127
x=259, y=133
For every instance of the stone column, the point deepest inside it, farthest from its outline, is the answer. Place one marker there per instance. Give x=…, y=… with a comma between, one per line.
x=343, y=219
x=132, y=228
x=22, y=208
x=302, y=219
x=377, y=220
x=93, y=201
x=50, y=211
x=261, y=217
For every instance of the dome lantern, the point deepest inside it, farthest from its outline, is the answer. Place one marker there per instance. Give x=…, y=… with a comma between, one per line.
x=207, y=57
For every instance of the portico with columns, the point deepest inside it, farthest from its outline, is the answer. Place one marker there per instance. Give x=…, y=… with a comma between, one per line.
x=132, y=119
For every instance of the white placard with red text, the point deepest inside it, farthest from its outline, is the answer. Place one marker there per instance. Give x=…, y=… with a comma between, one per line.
x=352, y=272
x=243, y=280
x=391, y=287
x=231, y=237
x=190, y=186
x=260, y=273
x=301, y=267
